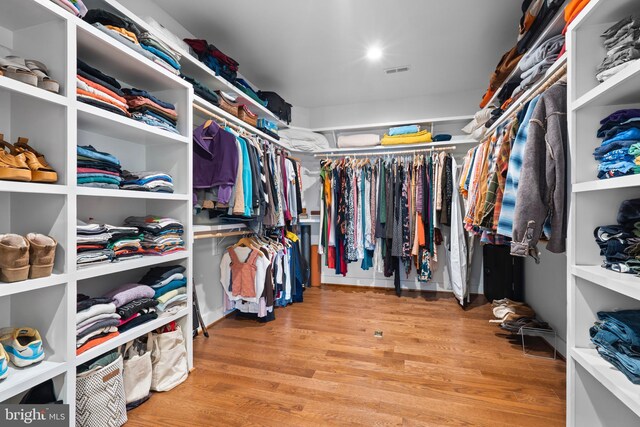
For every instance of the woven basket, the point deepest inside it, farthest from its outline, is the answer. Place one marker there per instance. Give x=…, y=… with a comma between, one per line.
x=228, y=106
x=247, y=116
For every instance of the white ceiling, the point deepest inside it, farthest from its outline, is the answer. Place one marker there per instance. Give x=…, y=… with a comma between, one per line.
x=312, y=52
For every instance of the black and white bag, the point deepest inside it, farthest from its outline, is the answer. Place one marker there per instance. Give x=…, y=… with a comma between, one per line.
x=100, y=400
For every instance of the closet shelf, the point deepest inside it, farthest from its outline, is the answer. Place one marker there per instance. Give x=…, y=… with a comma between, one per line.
x=197, y=100
x=7, y=289
x=387, y=125
x=96, y=120
x=619, y=89
x=625, y=284
x=116, y=267
x=390, y=148
x=104, y=52
x=22, y=379
x=192, y=67
x=611, y=378
x=32, y=187
x=607, y=184
x=14, y=86
x=130, y=194
x=217, y=227
x=129, y=335
x=560, y=62
x=554, y=28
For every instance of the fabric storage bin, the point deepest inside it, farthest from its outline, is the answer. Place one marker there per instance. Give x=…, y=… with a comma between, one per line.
x=247, y=116
x=265, y=124
x=137, y=369
x=100, y=399
x=169, y=359
x=227, y=105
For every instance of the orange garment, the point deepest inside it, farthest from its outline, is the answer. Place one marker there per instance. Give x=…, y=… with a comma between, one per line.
x=125, y=33
x=103, y=99
x=572, y=10
x=243, y=274
x=420, y=230
x=102, y=89
x=95, y=342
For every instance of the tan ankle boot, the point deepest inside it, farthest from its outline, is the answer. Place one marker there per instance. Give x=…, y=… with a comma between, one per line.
x=42, y=252
x=14, y=258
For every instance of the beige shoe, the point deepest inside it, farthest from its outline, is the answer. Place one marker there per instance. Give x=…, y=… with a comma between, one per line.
x=13, y=165
x=14, y=258
x=40, y=169
x=42, y=253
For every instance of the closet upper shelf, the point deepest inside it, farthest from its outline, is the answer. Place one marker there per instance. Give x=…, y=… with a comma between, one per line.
x=23, y=89
x=622, y=88
x=625, y=284
x=390, y=148
x=192, y=67
x=387, y=125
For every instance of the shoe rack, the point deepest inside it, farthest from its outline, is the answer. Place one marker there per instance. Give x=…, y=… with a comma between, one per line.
x=55, y=124
x=597, y=393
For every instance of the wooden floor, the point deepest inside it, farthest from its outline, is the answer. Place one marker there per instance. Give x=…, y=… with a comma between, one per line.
x=319, y=364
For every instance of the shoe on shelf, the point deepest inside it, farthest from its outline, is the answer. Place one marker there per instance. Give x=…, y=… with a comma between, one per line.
x=14, y=258
x=23, y=345
x=14, y=68
x=40, y=70
x=42, y=252
x=4, y=363
x=40, y=169
x=13, y=165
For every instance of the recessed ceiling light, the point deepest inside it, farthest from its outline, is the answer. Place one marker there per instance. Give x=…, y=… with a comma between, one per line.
x=374, y=53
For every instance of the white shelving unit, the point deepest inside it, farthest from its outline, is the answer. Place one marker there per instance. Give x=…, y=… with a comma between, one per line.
x=597, y=393
x=55, y=124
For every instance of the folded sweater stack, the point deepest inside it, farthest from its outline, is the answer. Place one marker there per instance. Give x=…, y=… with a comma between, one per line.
x=148, y=109
x=75, y=7
x=159, y=182
x=100, y=90
x=213, y=58
x=415, y=137
x=619, y=152
x=622, y=42
x=170, y=286
x=97, y=169
x=125, y=242
x=96, y=319
x=534, y=65
x=161, y=236
x=93, y=242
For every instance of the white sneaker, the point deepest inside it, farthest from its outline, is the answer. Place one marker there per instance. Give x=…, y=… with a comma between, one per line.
x=23, y=345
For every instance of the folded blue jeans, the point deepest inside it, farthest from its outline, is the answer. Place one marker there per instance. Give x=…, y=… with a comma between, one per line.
x=624, y=323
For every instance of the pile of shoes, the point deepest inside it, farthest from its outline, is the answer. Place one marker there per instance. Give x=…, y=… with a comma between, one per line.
x=22, y=346
x=21, y=162
x=29, y=71
x=513, y=315
x=22, y=257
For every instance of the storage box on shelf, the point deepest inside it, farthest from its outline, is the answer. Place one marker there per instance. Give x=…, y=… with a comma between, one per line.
x=44, y=310
x=598, y=394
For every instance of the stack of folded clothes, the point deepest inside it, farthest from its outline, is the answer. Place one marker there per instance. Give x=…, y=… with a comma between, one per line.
x=406, y=135
x=146, y=108
x=93, y=242
x=162, y=236
x=622, y=42
x=159, y=182
x=134, y=305
x=125, y=242
x=247, y=89
x=128, y=33
x=536, y=62
x=268, y=127
x=213, y=58
x=100, y=90
x=75, y=7
x=617, y=338
x=170, y=286
x=619, y=152
x=96, y=322
x=358, y=140
x=620, y=243
x=203, y=91
x=97, y=169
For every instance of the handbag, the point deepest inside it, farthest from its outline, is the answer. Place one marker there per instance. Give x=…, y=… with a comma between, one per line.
x=169, y=360
x=227, y=105
x=100, y=400
x=137, y=369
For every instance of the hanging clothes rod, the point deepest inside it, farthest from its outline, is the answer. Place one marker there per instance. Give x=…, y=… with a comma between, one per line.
x=520, y=103
x=198, y=236
x=226, y=122
x=386, y=153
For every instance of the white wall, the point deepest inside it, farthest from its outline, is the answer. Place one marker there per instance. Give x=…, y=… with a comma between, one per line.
x=545, y=290
x=433, y=106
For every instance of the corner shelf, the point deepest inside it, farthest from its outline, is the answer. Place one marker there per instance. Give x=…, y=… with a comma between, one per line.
x=126, y=265
x=22, y=379
x=129, y=335
x=615, y=381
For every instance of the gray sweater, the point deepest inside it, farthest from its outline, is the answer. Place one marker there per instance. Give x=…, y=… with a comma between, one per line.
x=542, y=191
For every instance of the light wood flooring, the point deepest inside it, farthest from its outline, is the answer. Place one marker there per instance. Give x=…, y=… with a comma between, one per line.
x=319, y=364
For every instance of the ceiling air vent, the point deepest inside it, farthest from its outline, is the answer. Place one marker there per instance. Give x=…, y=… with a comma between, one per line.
x=396, y=70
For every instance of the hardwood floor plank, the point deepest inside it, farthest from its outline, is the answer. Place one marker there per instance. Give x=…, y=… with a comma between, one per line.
x=319, y=364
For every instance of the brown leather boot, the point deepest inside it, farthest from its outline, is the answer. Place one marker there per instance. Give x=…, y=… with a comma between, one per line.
x=42, y=253
x=14, y=258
